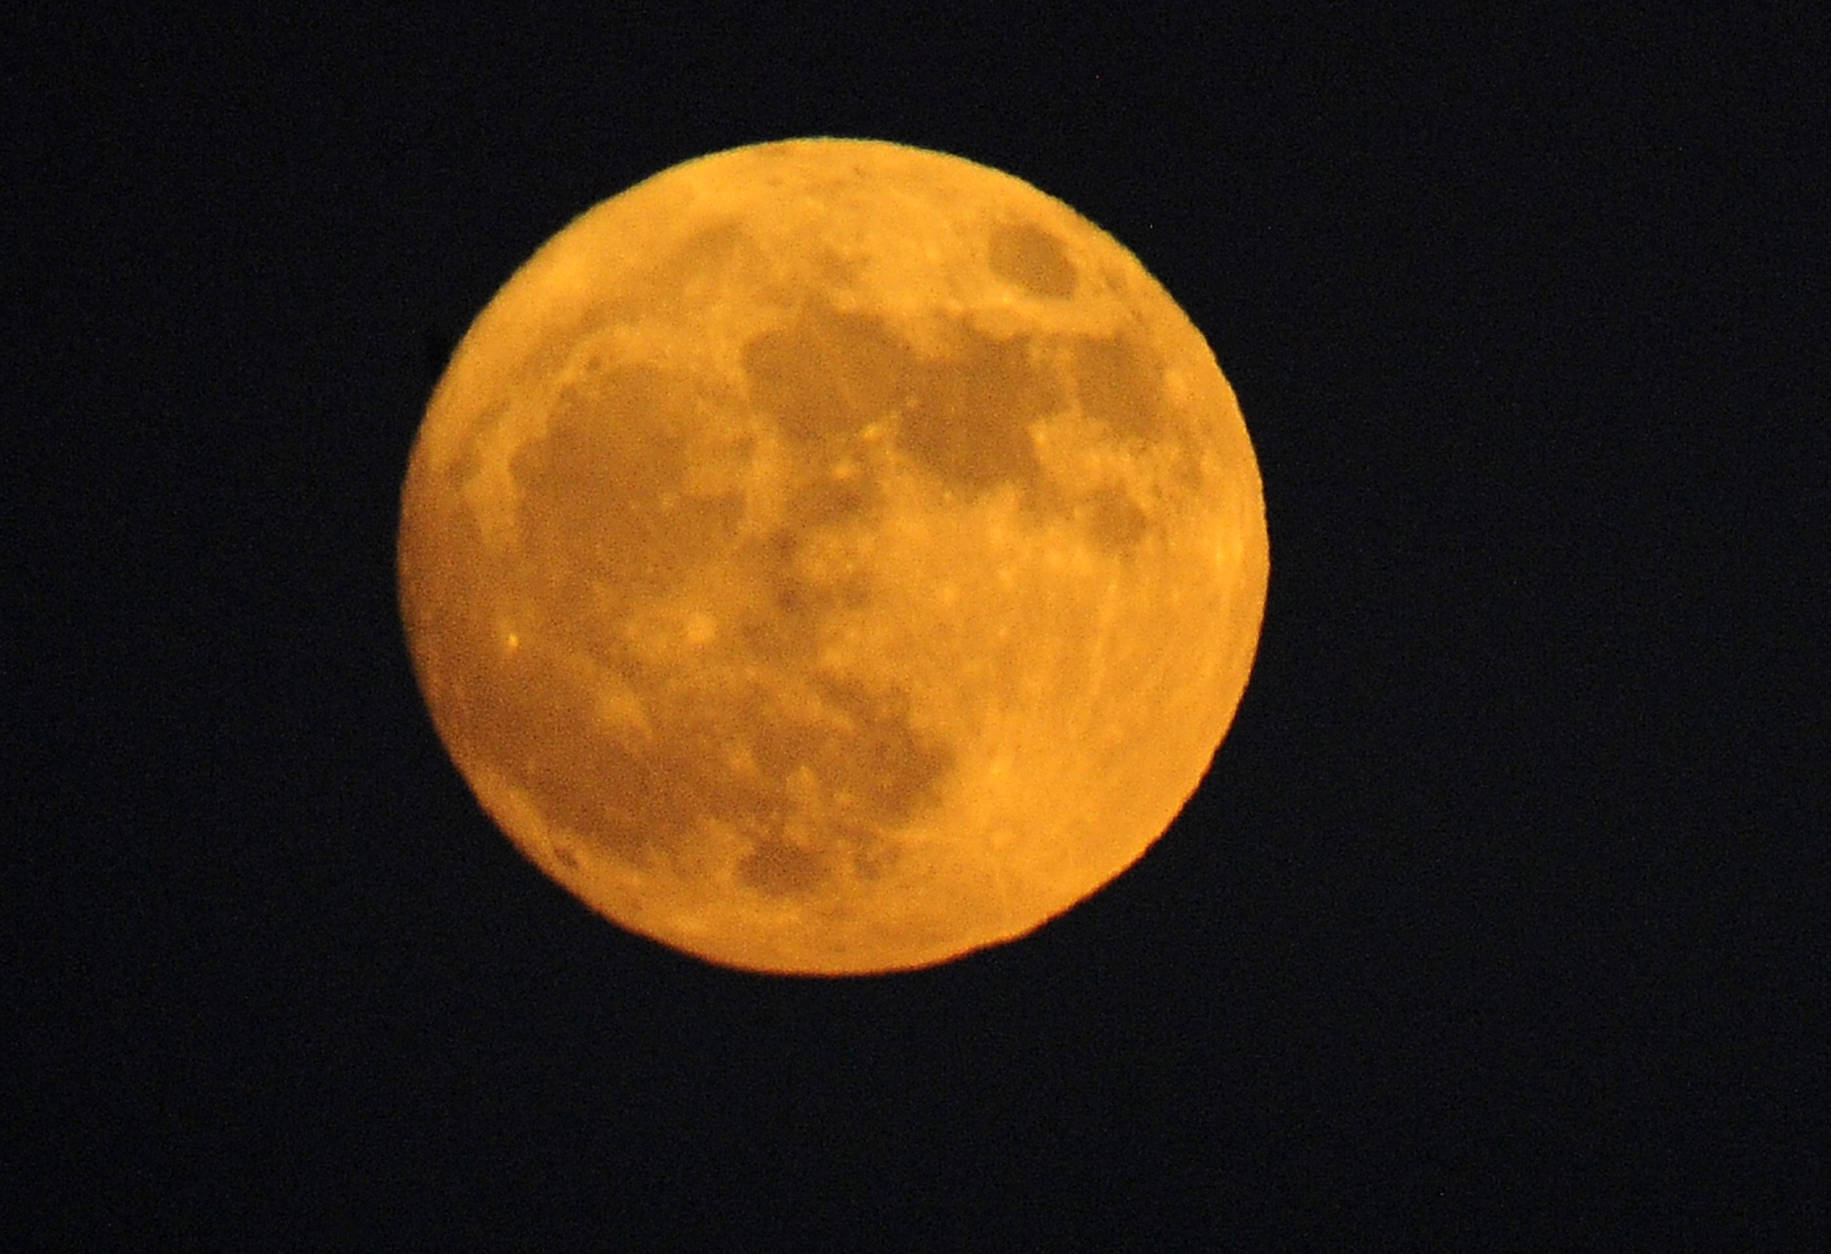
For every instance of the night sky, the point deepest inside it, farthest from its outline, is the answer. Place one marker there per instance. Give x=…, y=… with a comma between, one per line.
x=1498, y=921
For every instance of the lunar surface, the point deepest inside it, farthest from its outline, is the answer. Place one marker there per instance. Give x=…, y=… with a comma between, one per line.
x=832, y=557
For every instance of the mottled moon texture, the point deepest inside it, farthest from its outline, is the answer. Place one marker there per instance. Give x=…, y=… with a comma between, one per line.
x=832, y=557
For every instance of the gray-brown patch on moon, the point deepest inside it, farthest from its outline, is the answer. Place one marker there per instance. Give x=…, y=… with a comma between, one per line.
x=778, y=868
x=1110, y=518
x=602, y=489
x=1033, y=259
x=1119, y=382
x=968, y=422
x=827, y=374
x=963, y=416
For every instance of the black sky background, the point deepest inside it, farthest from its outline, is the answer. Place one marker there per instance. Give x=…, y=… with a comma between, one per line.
x=1498, y=921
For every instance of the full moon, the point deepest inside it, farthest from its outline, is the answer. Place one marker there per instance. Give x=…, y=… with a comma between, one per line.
x=832, y=557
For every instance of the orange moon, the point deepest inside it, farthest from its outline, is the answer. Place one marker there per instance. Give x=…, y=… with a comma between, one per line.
x=832, y=557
